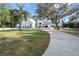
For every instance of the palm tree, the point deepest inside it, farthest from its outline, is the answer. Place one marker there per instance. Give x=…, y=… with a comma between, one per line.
x=2, y=8
x=4, y=13
x=14, y=17
x=22, y=14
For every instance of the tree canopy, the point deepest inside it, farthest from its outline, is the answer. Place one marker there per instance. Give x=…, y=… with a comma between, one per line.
x=12, y=16
x=52, y=11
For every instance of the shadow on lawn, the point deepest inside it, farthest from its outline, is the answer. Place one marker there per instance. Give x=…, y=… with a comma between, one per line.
x=32, y=45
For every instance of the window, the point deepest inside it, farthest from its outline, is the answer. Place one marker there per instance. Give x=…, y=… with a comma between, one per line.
x=46, y=26
x=40, y=23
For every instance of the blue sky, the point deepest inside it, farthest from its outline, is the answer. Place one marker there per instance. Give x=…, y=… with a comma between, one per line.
x=30, y=7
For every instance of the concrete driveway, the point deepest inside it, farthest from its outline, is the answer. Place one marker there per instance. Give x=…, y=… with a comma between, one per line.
x=62, y=44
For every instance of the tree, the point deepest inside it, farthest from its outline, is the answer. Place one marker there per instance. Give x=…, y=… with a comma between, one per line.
x=14, y=17
x=10, y=17
x=35, y=18
x=63, y=23
x=72, y=18
x=26, y=14
x=78, y=24
x=53, y=11
x=22, y=14
x=73, y=21
x=20, y=8
x=4, y=13
x=2, y=6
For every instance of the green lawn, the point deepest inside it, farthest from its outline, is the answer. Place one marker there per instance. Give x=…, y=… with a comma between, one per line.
x=73, y=31
x=23, y=43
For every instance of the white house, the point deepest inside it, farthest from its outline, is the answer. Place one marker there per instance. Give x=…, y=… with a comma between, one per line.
x=45, y=23
x=31, y=23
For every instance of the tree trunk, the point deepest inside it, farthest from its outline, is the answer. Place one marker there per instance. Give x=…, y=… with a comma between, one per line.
x=19, y=25
x=57, y=27
x=12, y=25
x=75, y=25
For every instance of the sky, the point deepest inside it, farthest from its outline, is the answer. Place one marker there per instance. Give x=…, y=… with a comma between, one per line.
x=31, y=7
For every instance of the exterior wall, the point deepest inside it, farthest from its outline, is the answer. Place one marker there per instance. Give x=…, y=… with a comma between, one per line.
x=44, y=24
x=25, y=24
x=33, y=23
x=30, y=23
x=39, y=23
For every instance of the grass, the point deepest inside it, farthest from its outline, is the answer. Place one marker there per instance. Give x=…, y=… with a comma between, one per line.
x=23, y=43
x=73, y=31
